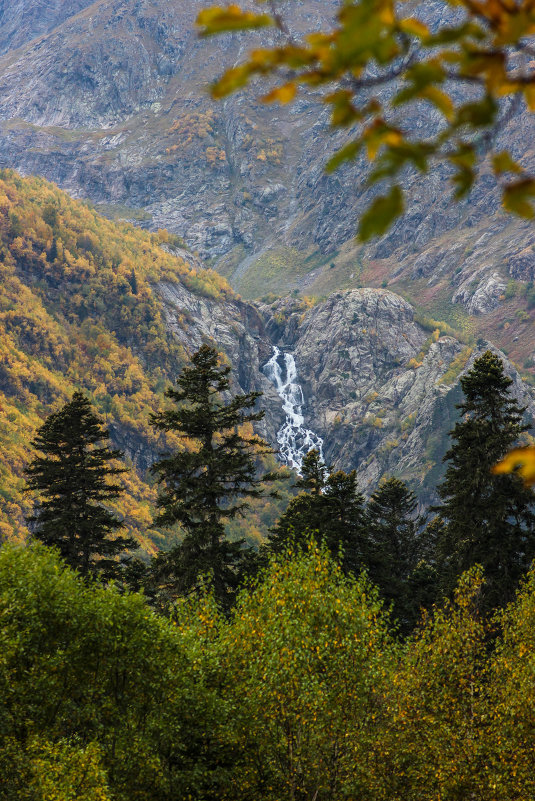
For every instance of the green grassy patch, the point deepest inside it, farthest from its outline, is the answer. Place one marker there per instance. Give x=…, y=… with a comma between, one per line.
x=279, y=271
x=117, y=211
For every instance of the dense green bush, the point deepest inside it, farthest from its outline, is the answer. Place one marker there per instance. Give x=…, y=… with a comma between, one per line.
x=303, y=692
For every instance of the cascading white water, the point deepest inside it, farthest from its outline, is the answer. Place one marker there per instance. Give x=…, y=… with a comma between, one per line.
x=294, y=440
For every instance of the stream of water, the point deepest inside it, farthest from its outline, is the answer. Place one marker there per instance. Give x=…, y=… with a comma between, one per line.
x=294, y=440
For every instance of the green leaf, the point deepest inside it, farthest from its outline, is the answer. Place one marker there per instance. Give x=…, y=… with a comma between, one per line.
x=347, y=153
x=396, y=157
x=479, y=114
x=344, y=112
x=380, y=215
x=463, y=159
x=515, y=197
x=504, y=162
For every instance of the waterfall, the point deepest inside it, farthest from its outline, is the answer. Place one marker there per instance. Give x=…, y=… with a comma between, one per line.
x=294, y=440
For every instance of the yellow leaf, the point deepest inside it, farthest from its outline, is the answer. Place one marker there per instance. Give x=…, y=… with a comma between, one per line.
x=441, y=100
x=503, y=162
x=218, y=20
x=414, y=27
x=379, y=134
x=520, y=461
x=281, y=94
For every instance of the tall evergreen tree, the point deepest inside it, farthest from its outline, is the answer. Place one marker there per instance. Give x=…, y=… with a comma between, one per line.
x=487, y=519
x=203, y=486
x=73, y=474
x=398, y=559
x=331, y=508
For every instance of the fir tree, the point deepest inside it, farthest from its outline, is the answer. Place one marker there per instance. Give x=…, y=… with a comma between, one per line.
x=487, y=519
x=398, y=559
x=207, y=484
x=132, y=280
x=73, y=475
x=331, y=509
x=314, y=474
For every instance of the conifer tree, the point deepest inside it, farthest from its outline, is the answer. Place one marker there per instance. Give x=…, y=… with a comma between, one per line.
x=205, y=485
x=73, y=475
x=314, y=474
x=487, y=519
x=331, y=508
x=397, y=554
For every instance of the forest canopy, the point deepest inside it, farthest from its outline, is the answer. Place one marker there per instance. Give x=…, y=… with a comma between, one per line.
x=302, y=692
x=78, y=311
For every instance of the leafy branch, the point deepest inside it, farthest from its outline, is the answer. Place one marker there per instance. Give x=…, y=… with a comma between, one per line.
x=376, y=43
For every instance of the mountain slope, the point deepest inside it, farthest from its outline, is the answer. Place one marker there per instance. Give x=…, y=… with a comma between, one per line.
x=104, y=307
x=24, y=20
x=381, y=383
x=112, y=105
x=77, y=311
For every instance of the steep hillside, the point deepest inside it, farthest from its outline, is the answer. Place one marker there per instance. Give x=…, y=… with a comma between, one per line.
x=87, y=303
x=112, y=105
x=77, y=310
x=380, y=383
x=24, y=20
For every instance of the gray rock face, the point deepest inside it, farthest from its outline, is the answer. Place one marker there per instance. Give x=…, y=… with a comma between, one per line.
x=236, y=328
x=24, y=20
x=378, y=388
x=480, y=296
x=522, y=264
x=111, y=105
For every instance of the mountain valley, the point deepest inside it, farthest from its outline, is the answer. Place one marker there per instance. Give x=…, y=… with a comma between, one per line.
x=133, y=130
x=115, y=311
x=186, y=195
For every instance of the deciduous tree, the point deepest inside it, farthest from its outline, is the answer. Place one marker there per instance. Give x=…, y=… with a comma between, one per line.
x=472, y=69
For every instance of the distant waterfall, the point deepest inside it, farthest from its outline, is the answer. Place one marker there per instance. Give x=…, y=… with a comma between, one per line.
x=294, y=440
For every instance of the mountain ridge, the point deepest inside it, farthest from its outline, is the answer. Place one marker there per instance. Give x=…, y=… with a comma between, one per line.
x=131, y=128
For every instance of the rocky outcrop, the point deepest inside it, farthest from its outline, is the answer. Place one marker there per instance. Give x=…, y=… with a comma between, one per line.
x=378, y=388
x=111, y=105
x=522, y=264
x=24, y=20
x=481, y=295
x=235, y=327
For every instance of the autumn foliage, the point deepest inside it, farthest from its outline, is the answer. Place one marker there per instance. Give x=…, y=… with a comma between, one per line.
x=303, y=692
x=471, y=71
x=79, y=311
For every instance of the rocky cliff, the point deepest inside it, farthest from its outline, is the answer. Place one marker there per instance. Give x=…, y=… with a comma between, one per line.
x=378, y=387
x=112, y=105
x=22, y=21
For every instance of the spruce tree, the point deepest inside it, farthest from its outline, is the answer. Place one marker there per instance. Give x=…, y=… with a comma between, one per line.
x=398, y=559
x=302, y=516
x=486, y=519
x=331, y=509
x=73, y=475
x=210, y=480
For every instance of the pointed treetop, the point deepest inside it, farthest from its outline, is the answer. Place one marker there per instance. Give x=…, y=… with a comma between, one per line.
x=485, y=383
